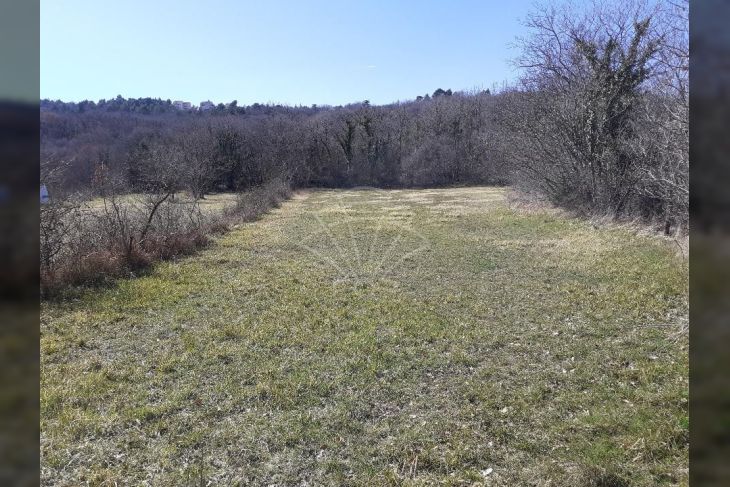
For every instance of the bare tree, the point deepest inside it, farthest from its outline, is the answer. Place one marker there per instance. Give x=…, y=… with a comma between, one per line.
x=193, y=161
x=588, y=112
x=58, y=217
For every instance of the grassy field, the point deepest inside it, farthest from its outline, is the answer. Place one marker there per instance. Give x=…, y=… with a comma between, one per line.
x=425, y=337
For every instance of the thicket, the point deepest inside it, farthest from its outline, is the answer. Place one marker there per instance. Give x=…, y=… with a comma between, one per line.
x=599, y=122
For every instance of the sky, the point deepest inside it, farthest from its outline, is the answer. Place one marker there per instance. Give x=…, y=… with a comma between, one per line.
x=325, y=52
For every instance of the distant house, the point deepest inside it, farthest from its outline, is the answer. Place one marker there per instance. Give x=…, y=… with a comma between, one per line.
x=182, y=105
x=206, y=105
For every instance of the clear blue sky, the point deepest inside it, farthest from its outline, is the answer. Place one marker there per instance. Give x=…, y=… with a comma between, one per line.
x=294, y=52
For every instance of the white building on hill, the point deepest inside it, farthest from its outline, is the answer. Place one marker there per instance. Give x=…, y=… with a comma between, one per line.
x=182, y=105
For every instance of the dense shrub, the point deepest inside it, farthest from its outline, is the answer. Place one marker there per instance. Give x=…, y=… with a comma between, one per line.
x=600, y=123
x=250, y=205
x=93, y=242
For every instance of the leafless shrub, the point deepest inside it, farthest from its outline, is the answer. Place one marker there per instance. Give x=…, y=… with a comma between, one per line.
x=251, y=204
x=58, y=220
x=127, y=233
x=599, y=124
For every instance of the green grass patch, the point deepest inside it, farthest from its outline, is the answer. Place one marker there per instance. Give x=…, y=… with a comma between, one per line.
x=379, y=338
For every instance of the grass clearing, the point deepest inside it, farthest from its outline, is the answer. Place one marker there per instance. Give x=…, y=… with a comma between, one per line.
x=402, y=337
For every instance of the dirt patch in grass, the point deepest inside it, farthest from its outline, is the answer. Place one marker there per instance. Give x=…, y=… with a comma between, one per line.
x=331, y=343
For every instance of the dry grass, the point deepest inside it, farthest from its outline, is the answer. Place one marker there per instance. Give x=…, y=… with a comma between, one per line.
x=346, y=340
x=212, y=204
x=529, y=202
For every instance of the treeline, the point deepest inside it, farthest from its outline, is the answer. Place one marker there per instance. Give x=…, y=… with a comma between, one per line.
x=119, y=104
x=152, y=106
x=158, y=106
x=597, y=123
x=438, y=140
